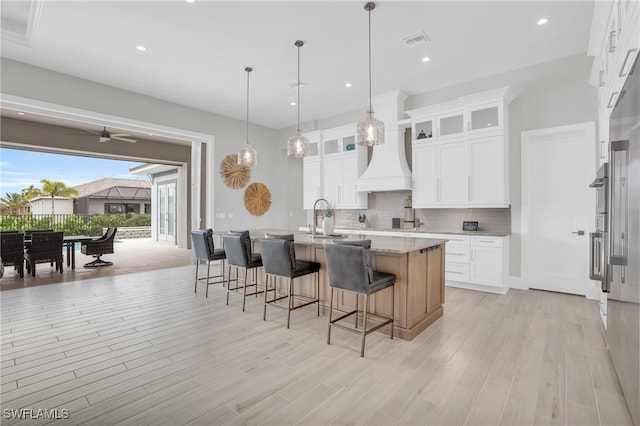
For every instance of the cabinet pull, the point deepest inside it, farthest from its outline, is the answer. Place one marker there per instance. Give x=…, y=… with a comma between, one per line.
x=455, y=254
x=454, y=272
x=601, y=78
x=438, y=189
x=339, y=194
x=628, y=62
x=469, y=187
x=487, y=241
x=469, y=125
x=612, y=41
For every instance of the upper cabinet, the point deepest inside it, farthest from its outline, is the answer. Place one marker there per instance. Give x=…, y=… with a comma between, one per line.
x=615, y=43
x=333, y=173
x=460, y=152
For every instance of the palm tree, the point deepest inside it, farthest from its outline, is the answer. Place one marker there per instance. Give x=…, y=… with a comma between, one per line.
x=56, y=189
x=31, y=192
x=12, y=202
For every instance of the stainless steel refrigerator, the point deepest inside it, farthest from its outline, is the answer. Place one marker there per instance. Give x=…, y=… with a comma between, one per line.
x=623, y=274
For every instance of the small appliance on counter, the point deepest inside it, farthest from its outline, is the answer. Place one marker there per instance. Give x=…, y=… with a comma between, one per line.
x=409, y=214
x=469, y=226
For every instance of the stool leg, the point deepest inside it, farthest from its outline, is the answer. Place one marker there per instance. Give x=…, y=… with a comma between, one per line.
x=364, y=323
x=195, y=290
x=266, y=291
x=229, y=285
x=393, y=293
x=206, y=293
x=330, y=312
x=289, y=301
x=317, y=274
x=356, y=311
x=244, y=289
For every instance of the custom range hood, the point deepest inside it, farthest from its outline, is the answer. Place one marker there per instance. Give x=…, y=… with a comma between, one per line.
x=388, y=169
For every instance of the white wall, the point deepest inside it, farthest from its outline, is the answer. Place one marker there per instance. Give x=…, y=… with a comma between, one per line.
x=43, y=206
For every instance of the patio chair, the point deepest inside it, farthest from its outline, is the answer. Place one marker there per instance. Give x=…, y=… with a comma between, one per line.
x=98, y=248
x=12, y=250
x=45, y=247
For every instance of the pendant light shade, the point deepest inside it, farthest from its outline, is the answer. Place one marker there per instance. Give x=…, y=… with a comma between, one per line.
x=247, y=156
x=298, y=145
x=370, y=130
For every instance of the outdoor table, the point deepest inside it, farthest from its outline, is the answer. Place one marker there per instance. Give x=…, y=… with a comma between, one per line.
x=68, y=242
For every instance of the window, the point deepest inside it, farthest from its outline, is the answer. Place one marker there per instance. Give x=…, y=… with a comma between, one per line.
x=113, y=208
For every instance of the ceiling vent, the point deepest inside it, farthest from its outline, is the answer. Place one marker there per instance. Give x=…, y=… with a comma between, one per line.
x=415, y=39
x=294, y=84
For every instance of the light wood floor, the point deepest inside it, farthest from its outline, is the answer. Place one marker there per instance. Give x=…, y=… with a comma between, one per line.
x=144, y=349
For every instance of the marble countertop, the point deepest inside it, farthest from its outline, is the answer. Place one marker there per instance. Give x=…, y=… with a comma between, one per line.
x=379, y=244
x=425, y=231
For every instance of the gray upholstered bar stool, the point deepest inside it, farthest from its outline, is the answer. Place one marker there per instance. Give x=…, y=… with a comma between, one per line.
x=205, y=250
x=237, y=247
x=279, y=259
x=349, y=269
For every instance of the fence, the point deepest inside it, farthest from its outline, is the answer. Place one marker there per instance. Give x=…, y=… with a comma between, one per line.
x=72, y=224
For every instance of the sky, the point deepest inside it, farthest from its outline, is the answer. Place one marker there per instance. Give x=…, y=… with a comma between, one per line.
x=19, y=169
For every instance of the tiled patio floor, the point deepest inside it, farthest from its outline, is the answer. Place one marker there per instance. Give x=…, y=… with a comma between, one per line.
x=131, y=255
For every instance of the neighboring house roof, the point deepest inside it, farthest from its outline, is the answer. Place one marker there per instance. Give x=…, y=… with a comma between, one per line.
x=123, y=193
x=113, y=188
x=47, y=198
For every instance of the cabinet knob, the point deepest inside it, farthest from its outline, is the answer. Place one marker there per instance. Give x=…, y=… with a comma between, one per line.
x=580, y=232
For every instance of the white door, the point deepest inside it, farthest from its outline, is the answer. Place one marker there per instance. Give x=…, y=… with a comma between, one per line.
x=558, y=208
x=167, y=212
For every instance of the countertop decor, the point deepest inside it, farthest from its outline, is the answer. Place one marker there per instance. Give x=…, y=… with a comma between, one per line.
x=257, y=199
x=234, y=175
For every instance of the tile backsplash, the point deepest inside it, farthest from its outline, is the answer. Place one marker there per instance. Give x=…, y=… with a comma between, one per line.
x=384, y=206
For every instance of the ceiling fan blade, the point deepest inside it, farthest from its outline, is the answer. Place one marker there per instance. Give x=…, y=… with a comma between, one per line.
x=90, y=131
x=113, y=135
x=123, y=139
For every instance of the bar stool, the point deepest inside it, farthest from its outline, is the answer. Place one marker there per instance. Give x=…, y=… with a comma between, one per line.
x=237, y=247
x=279, y=258
x=349, y=269
x=204, y=249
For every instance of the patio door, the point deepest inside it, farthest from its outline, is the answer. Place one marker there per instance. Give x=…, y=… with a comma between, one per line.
x=167, y=212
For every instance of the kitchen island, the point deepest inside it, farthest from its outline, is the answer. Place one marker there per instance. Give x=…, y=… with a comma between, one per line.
x=418, y=264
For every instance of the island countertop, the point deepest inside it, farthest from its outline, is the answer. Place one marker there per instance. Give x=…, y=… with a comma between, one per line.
x=379, y=244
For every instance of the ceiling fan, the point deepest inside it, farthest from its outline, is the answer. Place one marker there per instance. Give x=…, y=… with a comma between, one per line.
x=105, y=136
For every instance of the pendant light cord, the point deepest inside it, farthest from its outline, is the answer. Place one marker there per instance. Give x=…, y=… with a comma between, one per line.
x=248, y=70
x=298, y=104
x=370, y=105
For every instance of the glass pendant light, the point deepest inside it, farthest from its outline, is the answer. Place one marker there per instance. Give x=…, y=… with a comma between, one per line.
x=370, y=130
x=247, y=156
x=298, y=145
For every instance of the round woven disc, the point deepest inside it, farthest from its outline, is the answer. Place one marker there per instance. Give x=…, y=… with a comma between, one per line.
x=234, y=175
x=257, y=199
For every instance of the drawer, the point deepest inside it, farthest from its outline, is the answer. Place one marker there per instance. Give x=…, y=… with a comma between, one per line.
x=457, y=253
x=455, y=239
x=487, y=241
x=456, y=272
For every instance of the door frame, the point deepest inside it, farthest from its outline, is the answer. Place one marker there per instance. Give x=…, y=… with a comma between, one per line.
x=176, y=203
x=589, y=130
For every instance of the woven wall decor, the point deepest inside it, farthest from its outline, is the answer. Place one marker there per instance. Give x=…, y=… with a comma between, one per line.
x=257, y=199
x=234, y=175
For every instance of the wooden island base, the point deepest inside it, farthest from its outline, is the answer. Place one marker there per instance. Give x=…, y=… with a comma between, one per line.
x=417, y=263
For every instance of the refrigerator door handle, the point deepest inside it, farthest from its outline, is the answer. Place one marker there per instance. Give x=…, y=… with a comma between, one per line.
x=595, y=268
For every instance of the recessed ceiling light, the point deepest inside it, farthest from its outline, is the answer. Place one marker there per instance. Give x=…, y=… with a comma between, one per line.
x=292, y=104
x=190, y=1
x=21, y=113
x=542, y=21
x=347, y=85
x=141, y=48
x=426, y=59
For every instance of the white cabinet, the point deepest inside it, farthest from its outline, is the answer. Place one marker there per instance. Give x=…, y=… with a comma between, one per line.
x=453, y=173
x=486, y=261
x=312, y=181
x=488, y=185
x=425, y=176
x=460, y=155
x=334, y=172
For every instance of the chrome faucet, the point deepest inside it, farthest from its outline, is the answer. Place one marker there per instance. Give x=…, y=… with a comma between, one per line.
x=315, y=216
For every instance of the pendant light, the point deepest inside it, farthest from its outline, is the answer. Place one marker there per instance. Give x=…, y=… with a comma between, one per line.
x=370, y=130
x=298, y=145
x=247, y=156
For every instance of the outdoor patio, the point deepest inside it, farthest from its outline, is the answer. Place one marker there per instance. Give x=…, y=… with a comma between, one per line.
x=131, y=255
